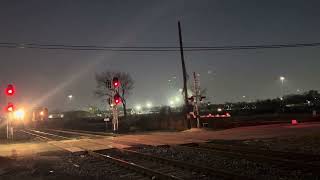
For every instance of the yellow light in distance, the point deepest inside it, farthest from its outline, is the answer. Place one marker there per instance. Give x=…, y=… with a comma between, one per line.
x=19, y=114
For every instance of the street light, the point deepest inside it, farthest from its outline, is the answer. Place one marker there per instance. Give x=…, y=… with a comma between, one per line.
x=282, y=92
x=177, y=99
x=171, y=103
x=282, y=83
x=138, y=107
x=149, y=105
x=70, y=97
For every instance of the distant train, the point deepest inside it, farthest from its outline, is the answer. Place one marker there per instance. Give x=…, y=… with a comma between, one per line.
x=29, y=118
x=40, y=114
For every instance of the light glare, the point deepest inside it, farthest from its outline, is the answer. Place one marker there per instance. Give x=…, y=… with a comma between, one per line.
x=19, y=114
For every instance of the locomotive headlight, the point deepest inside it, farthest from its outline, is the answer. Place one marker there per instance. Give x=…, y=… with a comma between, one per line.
x=19, y=114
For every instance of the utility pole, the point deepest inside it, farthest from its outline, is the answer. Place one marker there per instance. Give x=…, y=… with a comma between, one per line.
x=197, y=95
x=184, y=77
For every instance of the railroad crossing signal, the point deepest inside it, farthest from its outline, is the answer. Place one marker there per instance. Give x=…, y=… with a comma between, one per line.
x=10, y=107
x=115, y=82
x=10, y=90
x=117, y=99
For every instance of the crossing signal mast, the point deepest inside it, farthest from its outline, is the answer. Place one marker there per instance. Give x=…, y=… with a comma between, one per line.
x=114, y=101
x=196, y=98
x=10, y=108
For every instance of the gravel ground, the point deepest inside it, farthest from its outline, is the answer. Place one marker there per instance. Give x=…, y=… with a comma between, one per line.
x=166, y=168
x=241, y=166
x=19, y=137
x=62, y=166
x=33, y=168
x=303, y=144
x=93, y=168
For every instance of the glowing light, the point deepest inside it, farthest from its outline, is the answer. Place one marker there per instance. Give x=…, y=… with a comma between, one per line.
x=149, y=104
x=171, y=103
x=294, y=122
x=70, y=96
x=19, y=114
x=10, y=107
x=115, y=82
x=10, y=90
x=41, y=113
x=50, y=116
x=138, y=107
x=282, y=78
x=219, y=109
x=177, y=99
x=180, y=90
x=117, y=99
x=61, y=115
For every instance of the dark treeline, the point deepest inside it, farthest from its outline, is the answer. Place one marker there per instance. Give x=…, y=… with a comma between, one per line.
x=294, y=103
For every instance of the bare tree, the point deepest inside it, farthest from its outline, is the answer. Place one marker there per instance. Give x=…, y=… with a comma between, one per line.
x=126, y=85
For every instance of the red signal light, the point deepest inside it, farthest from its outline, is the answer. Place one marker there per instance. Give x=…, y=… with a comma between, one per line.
x=10, y=107
x=10, y=90
x=115, y=82
x=117, y=99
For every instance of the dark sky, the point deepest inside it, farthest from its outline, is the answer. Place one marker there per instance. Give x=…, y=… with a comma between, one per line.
x=46, y=77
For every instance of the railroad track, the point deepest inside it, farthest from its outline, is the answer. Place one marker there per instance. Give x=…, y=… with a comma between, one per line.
x=143, y=172
x=286, y=160
x=98, y=160
x=36, y=135
x=44, y=135
x=141, y=166
x=173, y=168
x=79, y=133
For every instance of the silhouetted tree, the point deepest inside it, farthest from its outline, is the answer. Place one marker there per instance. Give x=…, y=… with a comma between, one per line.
x=126, y=85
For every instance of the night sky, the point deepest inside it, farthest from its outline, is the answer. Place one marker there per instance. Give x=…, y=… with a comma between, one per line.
x=47, y=77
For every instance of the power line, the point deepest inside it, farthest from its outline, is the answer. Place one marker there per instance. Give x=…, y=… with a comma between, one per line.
x=150, y=48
